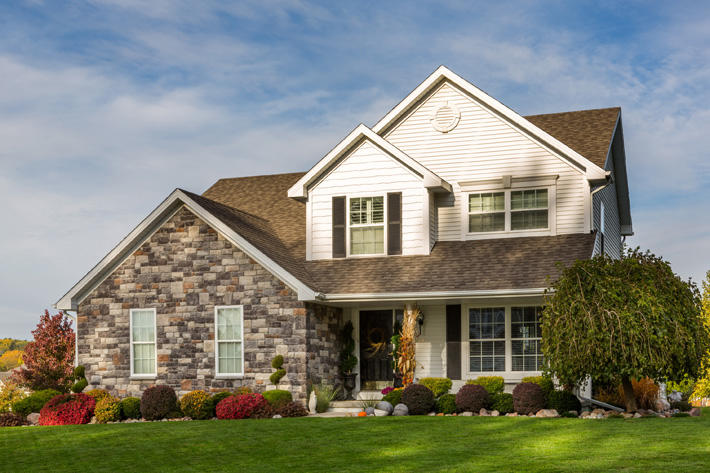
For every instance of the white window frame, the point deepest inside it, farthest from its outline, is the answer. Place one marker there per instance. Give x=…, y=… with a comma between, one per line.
x=349, y=226
x=216, y=342
x=154, y=374
x=521, y=306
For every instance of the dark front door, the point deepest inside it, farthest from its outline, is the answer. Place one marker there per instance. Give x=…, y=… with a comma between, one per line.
x=375, y=347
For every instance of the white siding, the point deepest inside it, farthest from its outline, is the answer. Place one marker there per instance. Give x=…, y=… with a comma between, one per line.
x=431, y=344
x=369, y=171
x=484, y=146
x=612, y=229
x=433, y=221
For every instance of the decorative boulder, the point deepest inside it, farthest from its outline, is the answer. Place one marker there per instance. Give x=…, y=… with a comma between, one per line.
x=370, y=411
x=695, y=412
x=381, y=413
x=400, y=410
x=33, y=418
x=385, y=406
x=547, y=413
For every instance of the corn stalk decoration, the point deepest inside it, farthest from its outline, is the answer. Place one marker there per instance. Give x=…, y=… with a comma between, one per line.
x=406, y=361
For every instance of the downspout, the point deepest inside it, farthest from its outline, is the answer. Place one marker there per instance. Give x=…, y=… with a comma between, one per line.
x=76, y=336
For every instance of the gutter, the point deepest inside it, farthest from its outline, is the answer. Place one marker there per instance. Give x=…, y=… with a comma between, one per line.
x=429, y=295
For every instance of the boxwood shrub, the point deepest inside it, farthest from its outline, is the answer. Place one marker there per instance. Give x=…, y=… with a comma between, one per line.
x=438, y=386
x=528, y=398
x=502, y=402
x=446, y=404
x=563, y=401
x=394, y=397
x=418, y=398
x=472, y=397
x=131, y=408
x=157, y=402
x=493, y=384
x=34, y=402
x=277, y=398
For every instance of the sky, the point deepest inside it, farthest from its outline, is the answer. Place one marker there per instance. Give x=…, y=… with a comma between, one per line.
x=107, y=106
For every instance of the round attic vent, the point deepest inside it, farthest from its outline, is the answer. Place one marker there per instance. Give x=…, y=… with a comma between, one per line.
x=445, y=118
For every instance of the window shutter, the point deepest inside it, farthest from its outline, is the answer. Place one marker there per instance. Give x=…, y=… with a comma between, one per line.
x=394, y=223
x=339, y=227
x=453, y=341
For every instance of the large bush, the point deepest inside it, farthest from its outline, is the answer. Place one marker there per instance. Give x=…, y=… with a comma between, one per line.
x=472, y=397
x=67, y=409
x=34, y=402
x=12, y=419
x=277, y=398
x=563, y=401
x=157, y=402
x=502, y=402
x=446, y=404
x=545, y=383
x=242, y=406
x=528, y=398
x=394, y=397
x=493, y=384
x=196, y=405
x=438, y=386
x=10, y=394
x=292, y=409
x=218, y=397
x=108, y=409
x=418, y=398
x=131, y=408
x=98, y=394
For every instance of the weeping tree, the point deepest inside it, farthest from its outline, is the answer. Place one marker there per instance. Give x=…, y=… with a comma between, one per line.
x=618, y=320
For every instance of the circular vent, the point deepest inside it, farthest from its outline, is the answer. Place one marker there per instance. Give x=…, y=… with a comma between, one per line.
x=445, y=118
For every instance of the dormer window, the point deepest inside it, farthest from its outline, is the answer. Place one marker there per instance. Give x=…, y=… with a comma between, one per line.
x=367, y=226
x=528, y=209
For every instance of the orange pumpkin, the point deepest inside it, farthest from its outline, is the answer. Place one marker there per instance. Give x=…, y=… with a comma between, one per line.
x=362, y=414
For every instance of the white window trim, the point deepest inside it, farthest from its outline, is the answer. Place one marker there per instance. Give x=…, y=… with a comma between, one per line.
x=348, y=254
x=155, y=342
x=217, y=374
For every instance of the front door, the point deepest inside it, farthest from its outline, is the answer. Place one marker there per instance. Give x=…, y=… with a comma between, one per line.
x=375, y=348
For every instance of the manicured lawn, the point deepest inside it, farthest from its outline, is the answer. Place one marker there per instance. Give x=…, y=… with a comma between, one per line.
x=364, y=444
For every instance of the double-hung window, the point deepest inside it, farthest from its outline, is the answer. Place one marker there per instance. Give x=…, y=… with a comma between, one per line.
x=528, y=209
x=367, y=226
x=486, y=331
x=486, y=212
x=525, y=336
x=143, y=360
x=229, y=343
x=509, y=210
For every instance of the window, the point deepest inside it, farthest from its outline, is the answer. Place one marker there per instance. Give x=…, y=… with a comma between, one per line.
x=367, y=229
x=486, y=332
x=528, y=209
x=486, y=212
x=229, y=340
x=525, y=336
x=143, y=361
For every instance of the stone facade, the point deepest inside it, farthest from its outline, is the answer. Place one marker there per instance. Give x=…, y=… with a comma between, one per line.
x=184, y=270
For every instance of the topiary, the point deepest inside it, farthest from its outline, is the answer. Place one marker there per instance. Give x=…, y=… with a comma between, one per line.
x=240, y=407
x=446, y=404
x=545, y=383
x=492, y=384
x=12, y=419
x=34, y=402
x=682, y=406
x=131, y=408
x=98, y=394
x=108, y=409
x=394, y=397
x=418, y=398
x=157, y=402
x=563, y=401
x=502, y=402
x=80, y=380
x=196, y=405
x=438, y=386
x=528, y=398
x=277, y=364
x=292, y=409
x=472, y=398
x=67, y=409
x=277, y=398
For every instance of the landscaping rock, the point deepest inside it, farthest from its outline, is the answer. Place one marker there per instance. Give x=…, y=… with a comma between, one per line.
x=512, y=414
x=483, y=412
x=370, y=411
x=627, y=415
x=440, y=414
x=385, y=406
x=381, y=413
x=400, y=410
x=596, y=412
x=662, y=405
x=33, y=418
x=637, y=415
x=467, y=413
x=695, y=412
x=547, y=413
x=93, y=420
x=495, y=413
x=277, y=416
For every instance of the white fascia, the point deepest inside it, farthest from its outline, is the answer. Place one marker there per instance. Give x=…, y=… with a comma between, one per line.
x=430, y=295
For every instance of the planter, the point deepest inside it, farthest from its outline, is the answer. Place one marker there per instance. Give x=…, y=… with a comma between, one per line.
x=348, y=385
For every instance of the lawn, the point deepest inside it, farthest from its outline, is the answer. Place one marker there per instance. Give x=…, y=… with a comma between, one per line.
x=364, y=444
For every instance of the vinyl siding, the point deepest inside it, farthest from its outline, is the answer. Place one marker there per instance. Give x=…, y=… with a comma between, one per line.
x=431, y=344
x=612, y=229
x=433, y=221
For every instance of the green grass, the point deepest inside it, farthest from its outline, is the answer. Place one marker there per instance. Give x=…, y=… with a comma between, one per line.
x=364, y=444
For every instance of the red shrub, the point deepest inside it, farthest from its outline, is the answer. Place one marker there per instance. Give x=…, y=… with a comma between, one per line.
x=241, y=407
x=67, y=409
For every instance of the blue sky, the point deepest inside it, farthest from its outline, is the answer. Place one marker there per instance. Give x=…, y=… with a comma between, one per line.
x=107, y=106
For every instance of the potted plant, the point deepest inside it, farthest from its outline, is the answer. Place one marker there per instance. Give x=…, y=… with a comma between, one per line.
x=348, y=360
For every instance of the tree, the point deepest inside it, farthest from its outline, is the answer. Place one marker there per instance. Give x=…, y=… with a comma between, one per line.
x=702, y=386
x=49, y=358
x=10, y=359
x=618, y=320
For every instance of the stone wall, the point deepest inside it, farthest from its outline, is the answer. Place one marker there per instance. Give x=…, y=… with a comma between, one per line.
x=183, y=271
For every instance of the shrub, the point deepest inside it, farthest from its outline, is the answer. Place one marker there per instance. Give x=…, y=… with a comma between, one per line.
x=67, y=409
x=394, y=397
x=387, y=390
x=10, y=394
x=446, y=404
x=528, y=398
x=277, y=398
x=292, y=409
x=493, y=384
x=645, y=392
x=502, y=402
x=12, y=419
x=544, y=382
x=685, y=387
x=218, y=397
x=196, y=405
x=240, y=407
x=277, y=362
x=34, y=402
x=325, y=393
x=563, y=401
x=131, y=408
x=438, y=386
x=157, y=402
x=276, y=376
x=243, y=390
x=418, y=398
x=472, y=397
x=108, y=409
x=98, y=394
x=80, y=380
x=683, y=406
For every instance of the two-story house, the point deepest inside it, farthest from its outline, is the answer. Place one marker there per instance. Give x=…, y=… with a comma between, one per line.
x=452, y=202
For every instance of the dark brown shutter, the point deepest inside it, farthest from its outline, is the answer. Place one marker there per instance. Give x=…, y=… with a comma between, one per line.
x=453, y=341
x=338, y=227
x=394, y=223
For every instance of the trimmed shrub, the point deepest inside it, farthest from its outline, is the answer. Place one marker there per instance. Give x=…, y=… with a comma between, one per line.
x=131, y=408
x=394, y=397
x=34, y=402
x=502, y=402
x=493, y=384
x=80, y=380
x=292, y=409
x=438, y=386
x=544, y=382
x=277, y=362
x=67, y=409
x=12, y=419
x=418, y=398
x=196, y=405
x=277, y=398
x=157, y=402
x=276, y=376
x=528, y=398
x=472, y=397
x=563, y=401
x=108, y=409
x=446, y=404
x=240, y=407
x=97, y=394
x=682, y=406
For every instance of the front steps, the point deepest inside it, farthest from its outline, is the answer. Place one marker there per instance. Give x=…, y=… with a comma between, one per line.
x=354, y=406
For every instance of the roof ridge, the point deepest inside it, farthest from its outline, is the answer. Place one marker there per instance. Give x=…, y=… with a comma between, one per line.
x=262, y=175
x=574, y=111
x=228, y=207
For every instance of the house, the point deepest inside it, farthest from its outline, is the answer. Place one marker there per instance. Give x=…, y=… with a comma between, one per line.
x=452, y=202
